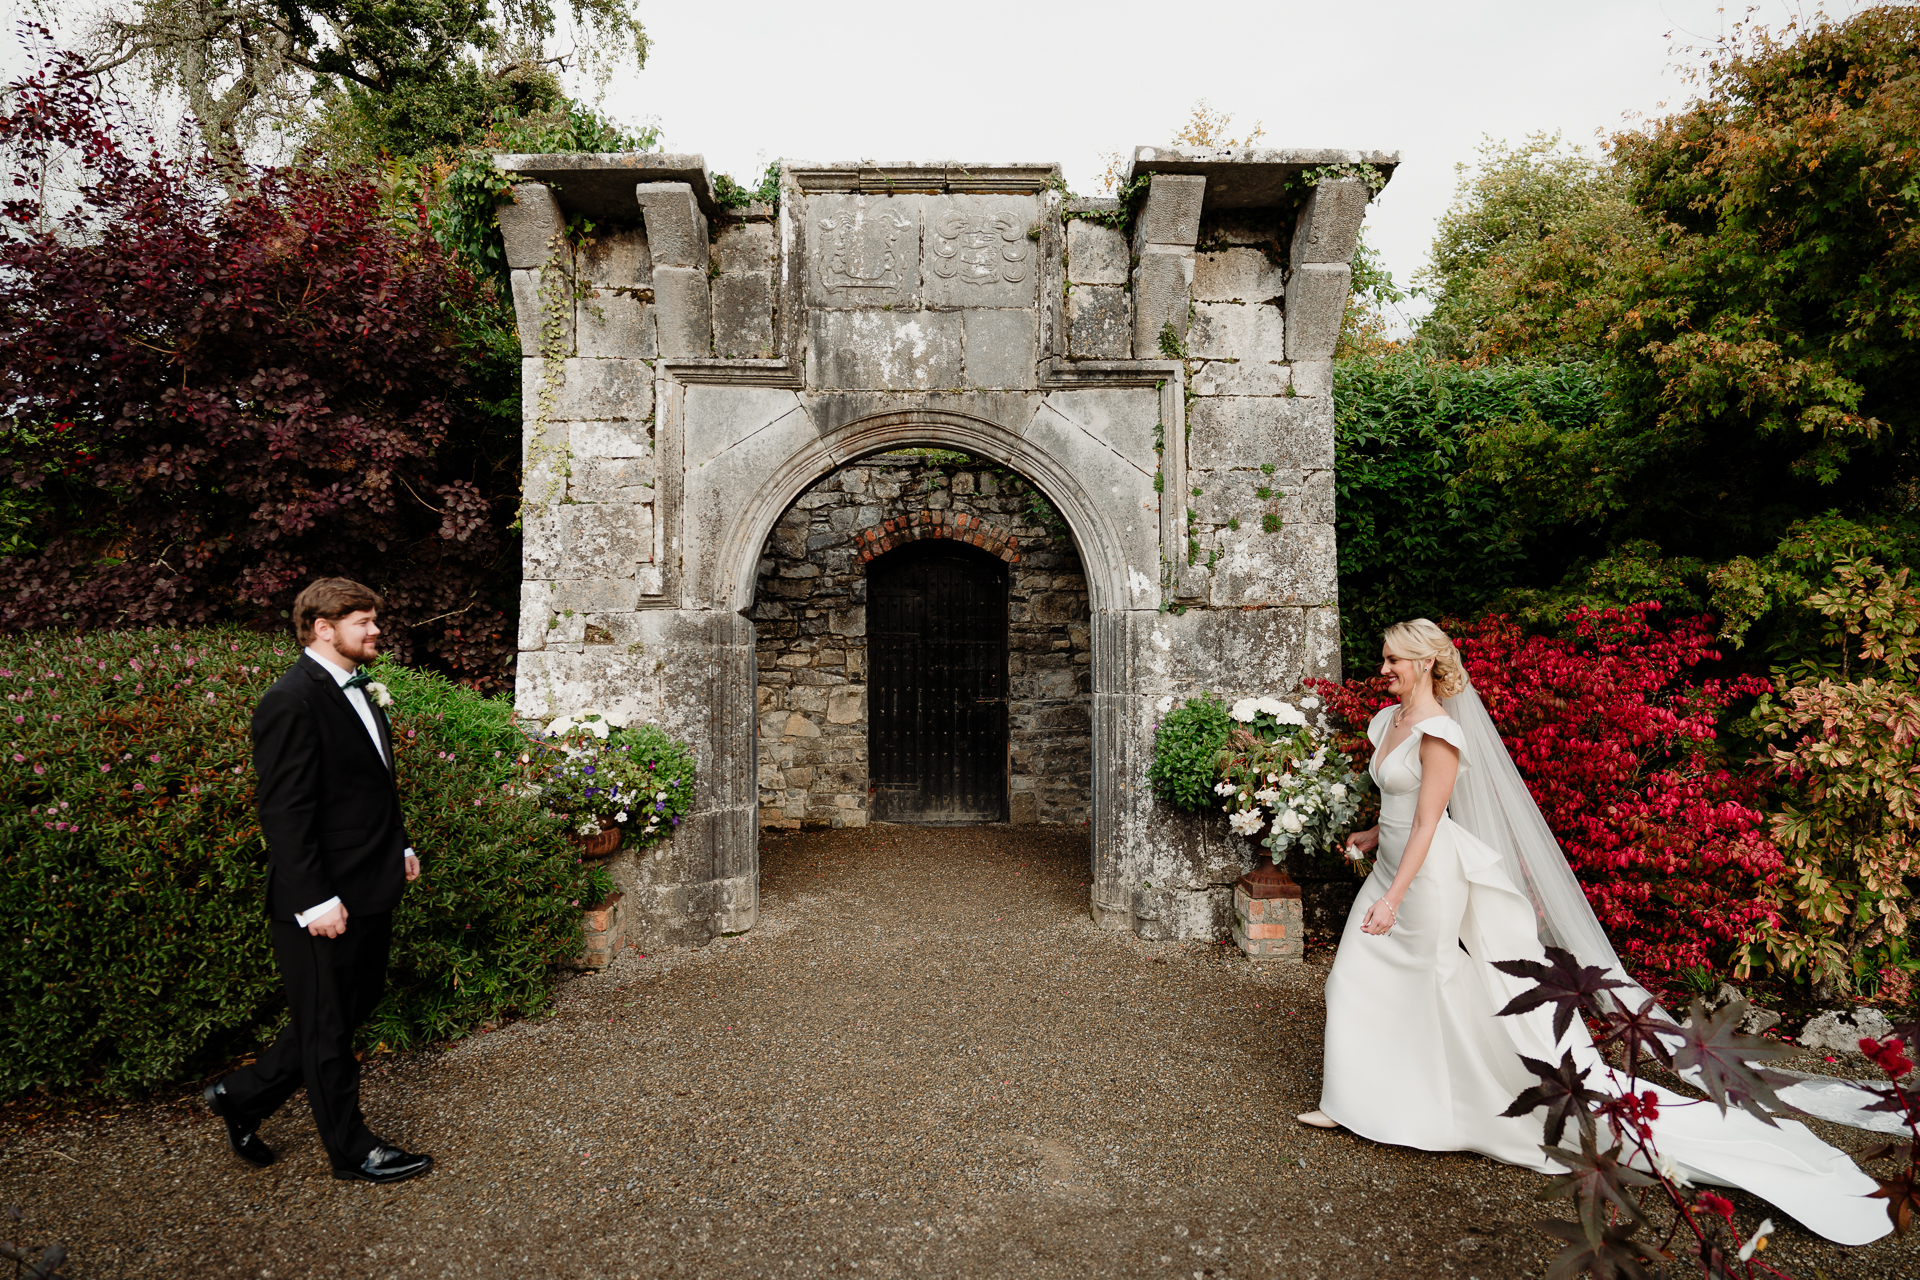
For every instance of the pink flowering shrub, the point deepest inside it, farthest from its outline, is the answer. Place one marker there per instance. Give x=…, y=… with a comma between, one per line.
x=132, y=927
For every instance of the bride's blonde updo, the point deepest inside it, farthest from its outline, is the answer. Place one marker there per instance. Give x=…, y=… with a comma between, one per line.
x=1422, y=641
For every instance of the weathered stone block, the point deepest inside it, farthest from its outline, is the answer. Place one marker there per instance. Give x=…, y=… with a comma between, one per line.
x=1328, y=225
x=1099, y=323
x=1316, y=305
x=683, y=312
x=743, y=316
x=863, y=251
x=533, y=227
x=1171, y=214
x=676, y=229
x=744, y=247
x=1096, y=253
x=631, y=439
x=611, y=479
x=1237, y=275
x=975, y=251
x=1243, y=378
x=1228, y=432
x=1313, y=377
x=597, y=390
x=530, y=314
x=536, y=606
x=575, y=598
x=1236, y=331
x=893, y=350
x=1295, y=566
x=1160, y=295
x=999, y=348
x=605, y=540
x=617, y=259
x=846, y=706
x=615, y=324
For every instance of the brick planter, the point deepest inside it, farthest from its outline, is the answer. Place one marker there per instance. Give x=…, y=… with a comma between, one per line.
x=1268, y=921
x=602, y=932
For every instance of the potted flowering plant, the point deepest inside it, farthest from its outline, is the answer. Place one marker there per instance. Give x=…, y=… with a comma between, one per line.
x=612, y=782
x=1276, y=775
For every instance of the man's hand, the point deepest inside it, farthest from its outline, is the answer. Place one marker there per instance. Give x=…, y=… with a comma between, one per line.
x=330, y=925
x=413, y=866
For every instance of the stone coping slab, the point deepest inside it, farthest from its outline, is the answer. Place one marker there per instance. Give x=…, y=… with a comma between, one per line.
x=1250, y=177
x=600, y=184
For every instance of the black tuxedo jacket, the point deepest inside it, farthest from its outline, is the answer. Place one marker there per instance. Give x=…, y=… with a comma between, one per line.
x=327, y=801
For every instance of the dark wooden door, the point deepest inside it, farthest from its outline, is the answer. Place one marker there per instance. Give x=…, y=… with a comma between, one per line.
x=937, y=689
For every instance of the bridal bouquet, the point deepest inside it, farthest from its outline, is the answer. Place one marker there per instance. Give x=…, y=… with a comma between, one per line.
x=1278, y=775
x=593, y=772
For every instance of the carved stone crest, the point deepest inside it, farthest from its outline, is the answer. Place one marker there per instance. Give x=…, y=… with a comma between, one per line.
x=980, y=248
x=863, y=250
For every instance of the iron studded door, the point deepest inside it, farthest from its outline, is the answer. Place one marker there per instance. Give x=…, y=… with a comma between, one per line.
x=937, y=720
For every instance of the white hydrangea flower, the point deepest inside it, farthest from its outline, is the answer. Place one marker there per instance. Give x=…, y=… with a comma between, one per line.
x=1245, y=709
x=1309, y=702
x=1269, y=797
x=1247, y=822
x=1290, y=715
x=1270, y=706
x=1338, y=790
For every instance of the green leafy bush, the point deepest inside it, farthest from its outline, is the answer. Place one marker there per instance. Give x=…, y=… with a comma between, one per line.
x=1185, y=750
x=132, y=927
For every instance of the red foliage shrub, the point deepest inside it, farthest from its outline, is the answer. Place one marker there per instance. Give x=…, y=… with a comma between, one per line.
x=1617, y=746
x=212, y=401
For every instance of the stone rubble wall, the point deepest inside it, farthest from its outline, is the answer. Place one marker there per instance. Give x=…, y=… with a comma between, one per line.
x=810, y=619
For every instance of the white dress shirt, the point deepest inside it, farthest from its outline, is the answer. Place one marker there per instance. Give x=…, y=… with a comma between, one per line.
x=358, y=697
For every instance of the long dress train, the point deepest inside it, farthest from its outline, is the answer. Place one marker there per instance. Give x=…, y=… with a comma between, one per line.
x=1416, y=1056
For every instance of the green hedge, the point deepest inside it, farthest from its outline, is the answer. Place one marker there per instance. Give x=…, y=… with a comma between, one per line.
x=1416, y=538
x=132, y=930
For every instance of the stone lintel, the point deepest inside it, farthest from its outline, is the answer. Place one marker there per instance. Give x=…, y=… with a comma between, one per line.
x=906, y=178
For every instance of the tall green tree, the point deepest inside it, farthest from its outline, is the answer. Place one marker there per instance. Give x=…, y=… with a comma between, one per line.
x=400, y=77
x=1758, y=307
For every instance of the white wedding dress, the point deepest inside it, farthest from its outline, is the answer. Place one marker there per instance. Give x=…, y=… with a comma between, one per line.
x=1416, y=1056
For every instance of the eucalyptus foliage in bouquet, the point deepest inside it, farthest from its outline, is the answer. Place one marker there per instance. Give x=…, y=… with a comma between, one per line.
x=593, y=773
x=1263, y=763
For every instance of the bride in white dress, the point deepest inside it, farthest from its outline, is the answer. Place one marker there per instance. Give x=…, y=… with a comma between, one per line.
x=1415, y=1052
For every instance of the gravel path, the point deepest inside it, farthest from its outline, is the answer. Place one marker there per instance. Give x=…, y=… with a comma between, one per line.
x=925, y=1062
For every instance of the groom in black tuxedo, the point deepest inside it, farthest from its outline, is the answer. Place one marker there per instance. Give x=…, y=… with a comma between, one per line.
x=337, y=862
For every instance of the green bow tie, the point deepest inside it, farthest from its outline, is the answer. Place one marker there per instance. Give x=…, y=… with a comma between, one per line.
x=358, y=680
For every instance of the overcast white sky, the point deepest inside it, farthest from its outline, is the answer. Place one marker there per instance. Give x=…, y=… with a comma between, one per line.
x=748, y=81
x=1037, y=80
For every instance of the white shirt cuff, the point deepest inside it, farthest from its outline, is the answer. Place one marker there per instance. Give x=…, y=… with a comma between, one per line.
x=307, y=917
x=409, y=853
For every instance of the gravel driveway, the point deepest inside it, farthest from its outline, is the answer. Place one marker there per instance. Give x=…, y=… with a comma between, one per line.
x=924, y=1062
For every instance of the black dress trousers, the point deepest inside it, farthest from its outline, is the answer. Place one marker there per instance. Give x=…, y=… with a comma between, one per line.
x=332, y=985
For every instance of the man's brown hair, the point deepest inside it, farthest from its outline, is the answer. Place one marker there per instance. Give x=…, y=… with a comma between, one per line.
x=332, y=599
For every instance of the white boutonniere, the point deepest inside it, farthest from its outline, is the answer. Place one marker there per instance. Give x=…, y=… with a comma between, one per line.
x=380, y=695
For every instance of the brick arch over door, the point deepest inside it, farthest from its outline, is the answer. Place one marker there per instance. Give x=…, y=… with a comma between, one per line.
x=921, y=525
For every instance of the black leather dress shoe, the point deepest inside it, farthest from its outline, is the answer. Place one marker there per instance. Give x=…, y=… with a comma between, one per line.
x=240, y=1132
x=384, y=1165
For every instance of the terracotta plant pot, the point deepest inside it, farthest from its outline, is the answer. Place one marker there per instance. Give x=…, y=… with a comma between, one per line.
x=1268, y=881
x=601, y=843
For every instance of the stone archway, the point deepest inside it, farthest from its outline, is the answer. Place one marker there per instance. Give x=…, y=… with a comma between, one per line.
x=1171, y=402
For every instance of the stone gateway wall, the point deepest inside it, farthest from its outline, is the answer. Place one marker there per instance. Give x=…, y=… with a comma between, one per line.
x=809, y=614
x=695, y=376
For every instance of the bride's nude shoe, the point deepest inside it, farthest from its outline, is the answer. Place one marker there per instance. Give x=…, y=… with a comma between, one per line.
x=1317, y=1120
